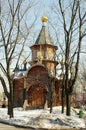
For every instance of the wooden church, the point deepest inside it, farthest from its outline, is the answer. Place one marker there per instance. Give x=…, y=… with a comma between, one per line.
x=33, y=87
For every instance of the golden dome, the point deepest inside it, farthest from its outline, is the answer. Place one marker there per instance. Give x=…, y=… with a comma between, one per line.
x=62, y=62
x=40, y=58
x=44, y=19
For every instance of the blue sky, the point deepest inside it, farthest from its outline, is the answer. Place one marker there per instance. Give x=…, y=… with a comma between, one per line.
x=43, y=6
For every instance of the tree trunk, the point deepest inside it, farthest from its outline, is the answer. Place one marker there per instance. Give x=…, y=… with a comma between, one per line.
x=68, y=100
x=63, y=99
x=10, y=100
x=51, y=106
x=52, y=95
x=9, y=96
x=10, y=108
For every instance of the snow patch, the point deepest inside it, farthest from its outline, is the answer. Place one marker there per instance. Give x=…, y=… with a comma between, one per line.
x=41, y=118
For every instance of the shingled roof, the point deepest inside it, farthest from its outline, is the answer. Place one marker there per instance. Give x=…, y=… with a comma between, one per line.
x=43, y=37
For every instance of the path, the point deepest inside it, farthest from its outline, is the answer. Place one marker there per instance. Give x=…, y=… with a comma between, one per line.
x=8, y=127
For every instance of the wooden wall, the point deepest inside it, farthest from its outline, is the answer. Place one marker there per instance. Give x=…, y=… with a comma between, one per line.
x=37, y=86
x=18, y=92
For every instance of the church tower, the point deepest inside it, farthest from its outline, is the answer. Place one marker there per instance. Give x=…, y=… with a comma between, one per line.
x=32, y=89
x=43, y=51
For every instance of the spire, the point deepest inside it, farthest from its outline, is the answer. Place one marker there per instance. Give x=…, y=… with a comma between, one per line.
x=44, y=19
x=43, y=37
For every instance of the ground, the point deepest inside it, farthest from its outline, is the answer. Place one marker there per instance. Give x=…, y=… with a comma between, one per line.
x=41, y=118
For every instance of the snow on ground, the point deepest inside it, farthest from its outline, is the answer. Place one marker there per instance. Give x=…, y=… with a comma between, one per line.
x=41, y=118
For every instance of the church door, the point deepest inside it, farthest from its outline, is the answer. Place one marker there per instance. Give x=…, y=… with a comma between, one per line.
x=36, y=96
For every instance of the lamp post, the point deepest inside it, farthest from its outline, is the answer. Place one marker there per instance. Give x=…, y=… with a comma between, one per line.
x=63, y=90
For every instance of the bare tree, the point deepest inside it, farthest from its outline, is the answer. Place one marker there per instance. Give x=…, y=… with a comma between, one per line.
x=72, y=26
x=15, y=30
